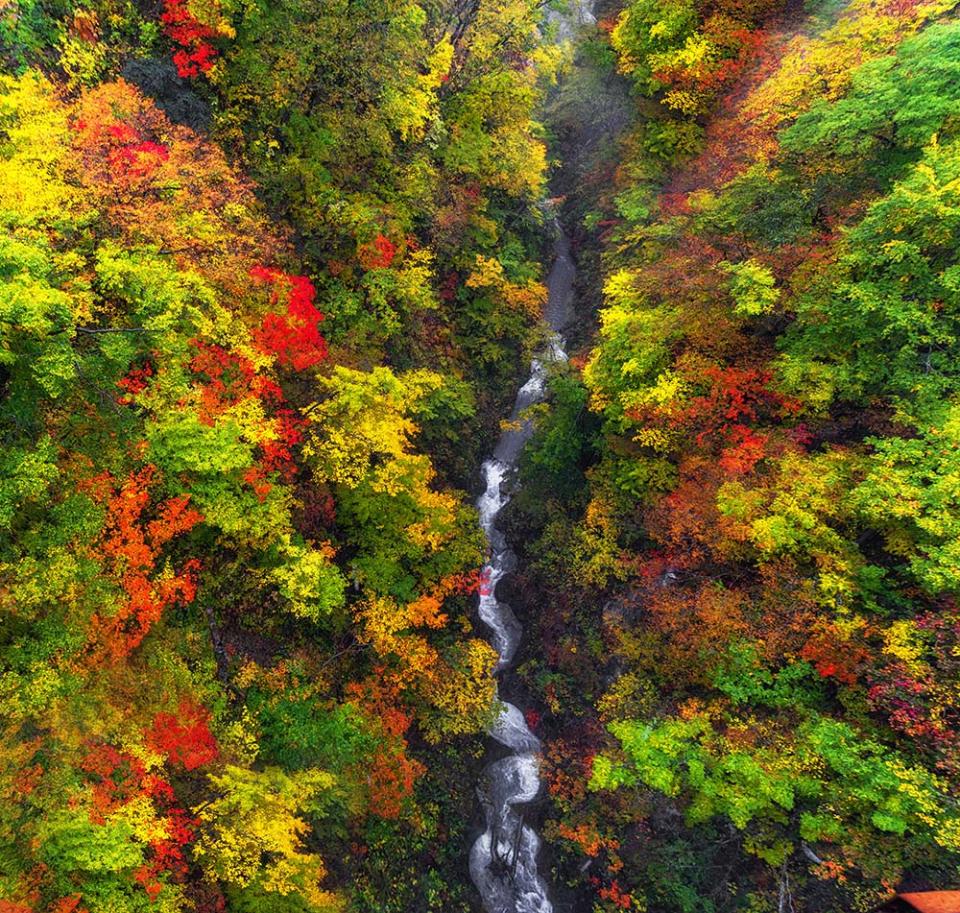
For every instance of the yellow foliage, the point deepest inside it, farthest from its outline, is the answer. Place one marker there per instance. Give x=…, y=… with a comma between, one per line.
x=366, y=417
x=83, y=61
x=239, y=739
x=527, y=298
x=385, y=625
x=902, y=640
x=620, y=288
x=141, y=816
x=35, y=124
x=408, y=107
x=465, y=693
x=487, y=273
x=252, y=831
x=437, y=525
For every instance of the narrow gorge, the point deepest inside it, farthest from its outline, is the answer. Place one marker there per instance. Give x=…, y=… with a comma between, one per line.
x=479, y=456
x=503, y=860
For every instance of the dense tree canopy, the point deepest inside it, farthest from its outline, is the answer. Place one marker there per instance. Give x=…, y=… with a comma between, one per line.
x=271, y=272
x=746, y=676
x=235, y=566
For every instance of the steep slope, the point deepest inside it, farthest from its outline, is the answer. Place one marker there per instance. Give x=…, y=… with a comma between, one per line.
x=739, y=515
x=235, y=571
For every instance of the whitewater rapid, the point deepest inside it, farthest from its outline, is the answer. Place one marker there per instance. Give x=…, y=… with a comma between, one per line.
x=503, y=859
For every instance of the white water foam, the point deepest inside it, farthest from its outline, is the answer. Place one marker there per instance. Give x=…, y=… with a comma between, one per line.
x=503, y=859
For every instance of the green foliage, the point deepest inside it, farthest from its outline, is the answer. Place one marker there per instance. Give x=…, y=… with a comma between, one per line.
x=744, y=679
x=884, y=321
x=554, y=457
x=753, y=288
x=309, y=581
x=894, y=106
x=234, y=581
x=25, y=478
x=672, y=139
x=165, y=544
x=101, y=859
x=910, y=492
x=766, y=204
x=634, y=350
x=649, y=28
x=297, y=731
x=72, y=842
x=832, y=768
x=26, y=28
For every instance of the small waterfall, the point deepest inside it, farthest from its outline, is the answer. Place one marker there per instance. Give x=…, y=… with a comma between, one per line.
x=578, y=14
x=503, y=859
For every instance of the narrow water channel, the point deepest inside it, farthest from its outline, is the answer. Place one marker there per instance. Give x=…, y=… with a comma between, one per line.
x=503, y=860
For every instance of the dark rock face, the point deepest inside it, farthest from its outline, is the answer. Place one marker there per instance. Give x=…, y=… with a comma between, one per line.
x=174, y=95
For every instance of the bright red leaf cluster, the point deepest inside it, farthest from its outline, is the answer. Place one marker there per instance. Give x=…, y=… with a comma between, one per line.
x=184, y=738
x=379, y=254
x=196, y=54
x=294, y=337
x=133, y=382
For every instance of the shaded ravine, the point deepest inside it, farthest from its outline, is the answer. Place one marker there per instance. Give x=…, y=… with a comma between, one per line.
x=503, y=859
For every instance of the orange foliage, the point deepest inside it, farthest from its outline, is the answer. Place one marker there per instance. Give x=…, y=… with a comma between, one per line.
x=686, y=523
x=833, y=655
x=698, y=622
x=379, y=254
x=226, y=379
x=746, y=449
x=390, y=627
x=119, y=135
x=130, y=546
x=133, y=382
x=567, y=766
x=588, y=838
x=390, y=779
x=616, y=895
x=390, y=775
x=9, y=906
x=380, y=698
x=85, y=25
x=147, y=173
x=735, y=396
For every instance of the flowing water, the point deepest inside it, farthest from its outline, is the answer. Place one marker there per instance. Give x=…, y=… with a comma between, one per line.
x=568, y=22
x=503, y=860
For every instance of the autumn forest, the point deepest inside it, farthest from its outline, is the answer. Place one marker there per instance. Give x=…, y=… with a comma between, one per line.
x=479, y=456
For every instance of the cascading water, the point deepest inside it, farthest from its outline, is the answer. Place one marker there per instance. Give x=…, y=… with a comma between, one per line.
x=503, y=860
x=578, y=13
